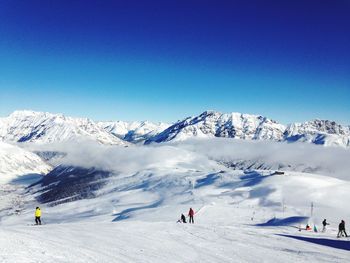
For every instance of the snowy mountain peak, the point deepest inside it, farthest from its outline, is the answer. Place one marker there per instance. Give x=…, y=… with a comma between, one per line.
x=325, y=126
x=216, y=124
x=133, y=131
x=42, y=127
x=254, y=127
x=210, y=113
x=323, y=132
x=18, y=113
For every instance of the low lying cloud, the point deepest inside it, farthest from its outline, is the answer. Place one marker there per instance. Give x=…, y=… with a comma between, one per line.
x=125, y=159
x=332, y=161
x=202, y=154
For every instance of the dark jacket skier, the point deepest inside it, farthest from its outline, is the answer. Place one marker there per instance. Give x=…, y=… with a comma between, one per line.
x=342, y=229
x=324, y=223
x=191, y=214
x=183, y=218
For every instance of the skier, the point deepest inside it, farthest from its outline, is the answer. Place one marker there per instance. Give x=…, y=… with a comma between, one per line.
x=37, y=216
x=308, y=227
x=191, y=214
x=324, y=223
x=342, y=229
x=183, y=218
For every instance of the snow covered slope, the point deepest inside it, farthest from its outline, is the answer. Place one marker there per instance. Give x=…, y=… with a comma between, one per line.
x=41, y=127
x=138, y=241
x=215, y=124
x=323, y=132
x=134, y=132
x=249, y=217
x=122, y=204
x=15, y=162
x=140, y=178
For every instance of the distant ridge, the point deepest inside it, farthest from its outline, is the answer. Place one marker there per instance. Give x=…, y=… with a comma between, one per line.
x=43, y=127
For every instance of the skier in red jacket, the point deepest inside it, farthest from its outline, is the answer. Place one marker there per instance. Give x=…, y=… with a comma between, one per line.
x=191, y=214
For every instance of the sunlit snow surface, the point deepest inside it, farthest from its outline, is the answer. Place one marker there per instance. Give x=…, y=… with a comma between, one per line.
x=15, y=162
x=131, y=216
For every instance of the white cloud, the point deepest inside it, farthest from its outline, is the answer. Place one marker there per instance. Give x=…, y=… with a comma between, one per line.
x=332, y=161
x=197, y=153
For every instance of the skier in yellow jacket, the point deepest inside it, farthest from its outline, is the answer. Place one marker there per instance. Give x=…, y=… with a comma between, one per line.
x=37, y=216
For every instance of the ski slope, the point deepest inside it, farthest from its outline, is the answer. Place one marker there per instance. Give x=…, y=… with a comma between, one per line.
x=209, y=240
x=241, y=216
x=226, y=230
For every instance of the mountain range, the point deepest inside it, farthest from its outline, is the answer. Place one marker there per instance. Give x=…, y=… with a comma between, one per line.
x=42, y=127
x=255, y=127
x=122, y=201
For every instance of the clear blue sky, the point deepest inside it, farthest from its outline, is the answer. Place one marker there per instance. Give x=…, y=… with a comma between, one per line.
x=165, y=60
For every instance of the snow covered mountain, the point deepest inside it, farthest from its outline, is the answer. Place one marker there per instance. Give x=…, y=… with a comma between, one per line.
x=215, y=124
x=134, y=131
x=42, y=127
x=15, y=162
x=319, y=132
x=254, y=127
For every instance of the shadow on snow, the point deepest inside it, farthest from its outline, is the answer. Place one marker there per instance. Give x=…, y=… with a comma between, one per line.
x=125, y=214
x=340, y=244
x=208, y=180
x=285, y=221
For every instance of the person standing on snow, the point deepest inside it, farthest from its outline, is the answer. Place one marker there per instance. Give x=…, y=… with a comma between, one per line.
x=342, y=229
x=324, y=223
x=37, y=216
x=191, y=214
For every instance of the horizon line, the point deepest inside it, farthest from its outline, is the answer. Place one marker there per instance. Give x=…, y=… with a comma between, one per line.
x=173, y=122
